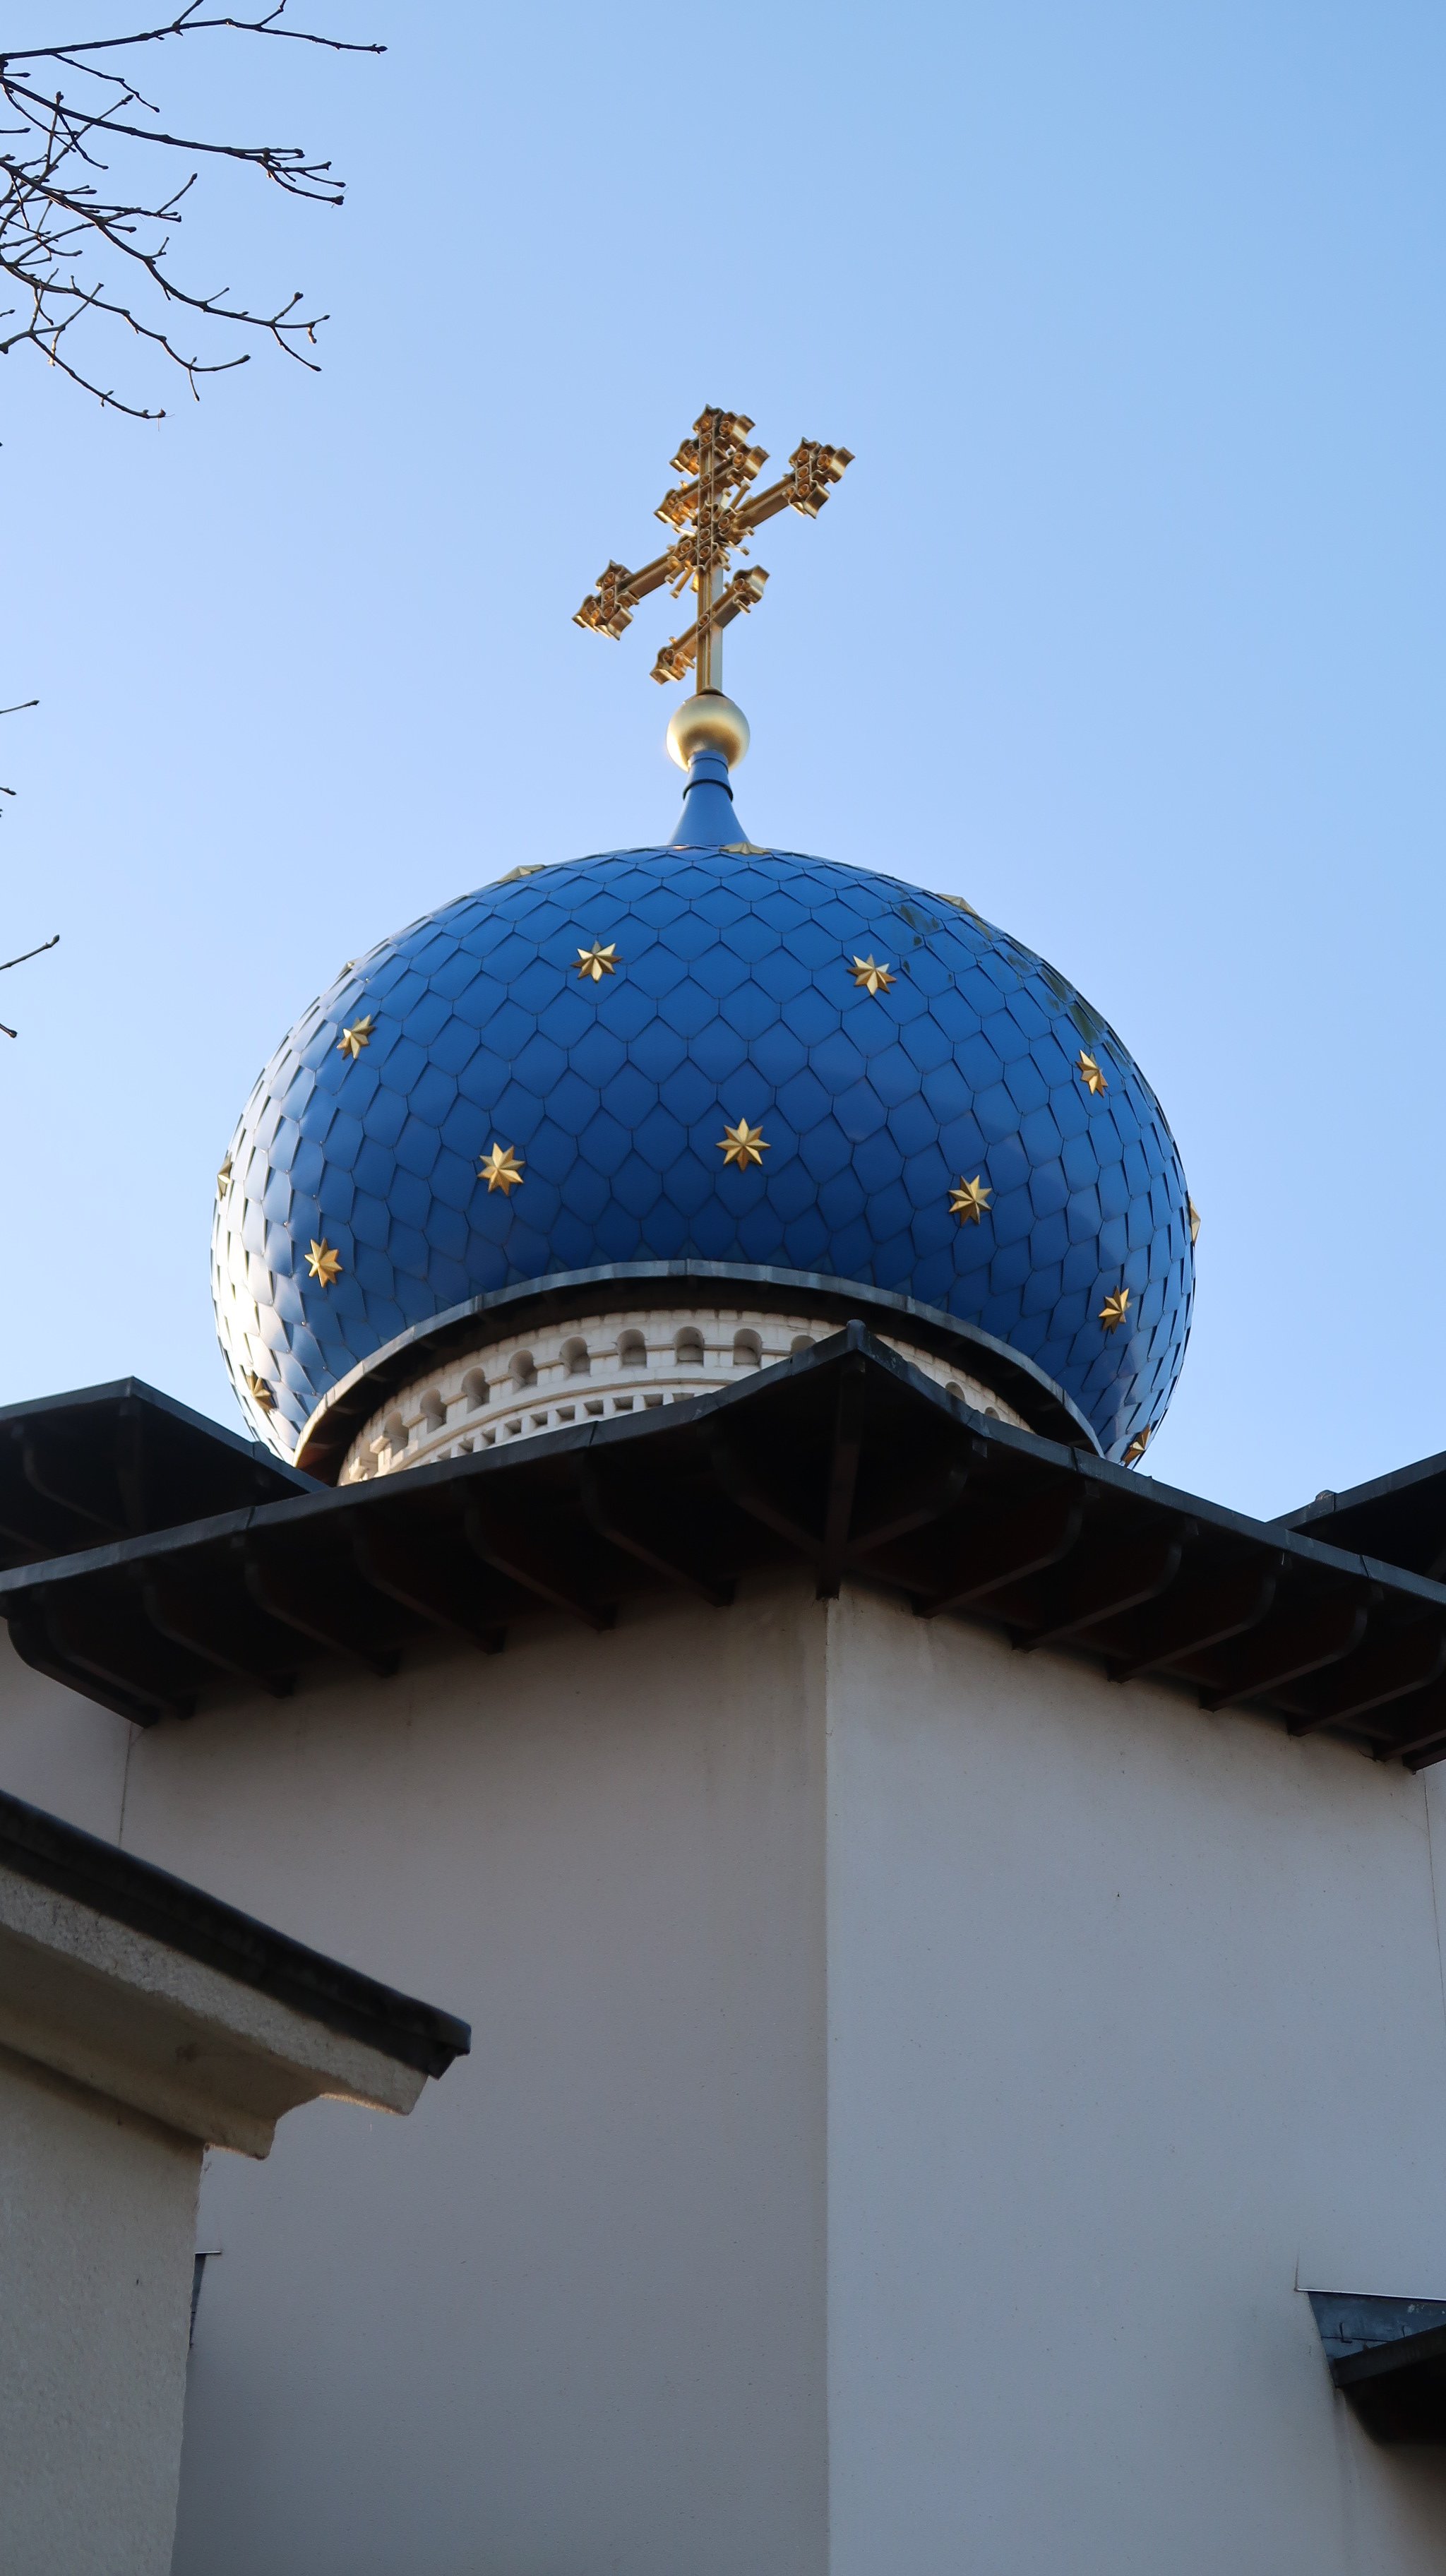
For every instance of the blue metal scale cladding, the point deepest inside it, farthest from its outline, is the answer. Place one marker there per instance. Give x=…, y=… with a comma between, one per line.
x=733, y=997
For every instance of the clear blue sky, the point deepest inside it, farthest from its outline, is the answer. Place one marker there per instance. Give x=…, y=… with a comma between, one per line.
x=1126, y=623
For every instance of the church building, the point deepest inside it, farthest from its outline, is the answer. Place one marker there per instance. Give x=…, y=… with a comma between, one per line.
x=948, y=1924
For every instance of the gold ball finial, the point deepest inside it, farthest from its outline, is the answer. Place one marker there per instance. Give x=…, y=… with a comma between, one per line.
x=709, y=722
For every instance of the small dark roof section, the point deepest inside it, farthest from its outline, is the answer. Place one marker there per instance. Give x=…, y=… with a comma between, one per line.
x=846, y=1461
x=120, y=1461
x=1388, y=2358
x=113, y=1882
x=1401, y=1517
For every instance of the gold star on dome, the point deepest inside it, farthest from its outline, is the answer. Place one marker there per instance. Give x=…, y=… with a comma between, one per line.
x=260, y=1393
x=501, y=1170
x=223, y=1178
x=1137, y=1448
x=1194, y=1222
x=323, y=1263
x=352, y=1040
x=873, y=978
x=970, y=1199
x=598, y=961
x=743, y=1144
x=1115, y=1308
x=1089, y=1072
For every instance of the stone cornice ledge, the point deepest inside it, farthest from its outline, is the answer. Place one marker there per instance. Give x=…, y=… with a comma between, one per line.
x=147, y=2022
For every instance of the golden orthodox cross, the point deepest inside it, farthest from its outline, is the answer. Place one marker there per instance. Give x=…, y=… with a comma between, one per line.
x=713, y=515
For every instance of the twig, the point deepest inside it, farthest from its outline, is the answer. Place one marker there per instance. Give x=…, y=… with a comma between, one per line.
x=55, y=214
x=29, y=953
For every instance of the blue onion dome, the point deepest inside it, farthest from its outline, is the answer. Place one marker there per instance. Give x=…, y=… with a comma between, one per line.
x=715, y=1054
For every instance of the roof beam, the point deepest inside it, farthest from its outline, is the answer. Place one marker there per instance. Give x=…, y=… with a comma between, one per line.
x=503, y=1546
x=132, y=1462
x=1010, y=1546
x=329, y=1612
x=1422, y=1752
x=1304, y=1640
x=212, y=1630
x=1200, y=1617
x=51, y=1474
x=1420, y=1724
x=1119, y=1576
x=30, y=1637
x=1406, y=1662
x=620, y=1523
x=114, y=1644
x=932, y=1502
x=421, y=1581
x=843, y=1474
x=744, y=1488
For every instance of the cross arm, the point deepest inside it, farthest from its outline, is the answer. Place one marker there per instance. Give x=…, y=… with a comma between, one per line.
x=609, y=608
x=743, y=592
x=812, y=470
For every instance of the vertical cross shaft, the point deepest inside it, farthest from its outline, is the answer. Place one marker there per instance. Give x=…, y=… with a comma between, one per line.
x=708, y=658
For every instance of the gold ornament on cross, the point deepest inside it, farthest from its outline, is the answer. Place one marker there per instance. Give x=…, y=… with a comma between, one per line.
x=712, y=518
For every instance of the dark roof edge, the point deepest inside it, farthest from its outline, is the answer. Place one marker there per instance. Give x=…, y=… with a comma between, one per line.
x=121, y=1390
x=330, y=1428
x=320, y=1501
x=1380, y=1489
x=112, y=1882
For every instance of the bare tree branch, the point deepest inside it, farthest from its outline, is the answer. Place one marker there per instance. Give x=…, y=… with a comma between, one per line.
x=57, y=209
x=29, y=953
x=5, y=1030
x=24, y=960
x=22, y=707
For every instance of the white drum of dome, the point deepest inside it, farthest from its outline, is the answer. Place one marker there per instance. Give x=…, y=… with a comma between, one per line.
x=594, y=1367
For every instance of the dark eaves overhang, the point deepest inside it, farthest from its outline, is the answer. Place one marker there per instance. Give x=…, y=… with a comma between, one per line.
x=113, y=1883
x=351, y=1403
x=119, y=1461
x=1401, y=1516
x=847, y=1461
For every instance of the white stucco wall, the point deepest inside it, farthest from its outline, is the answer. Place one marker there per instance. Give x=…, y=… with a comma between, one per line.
x=60, y=1751
x=863, y=2014
x=1136, y=2024
x=572, y=2316
x=97, y=2235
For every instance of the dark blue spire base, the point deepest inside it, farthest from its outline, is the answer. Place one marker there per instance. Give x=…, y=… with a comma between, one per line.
x=708, y=821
